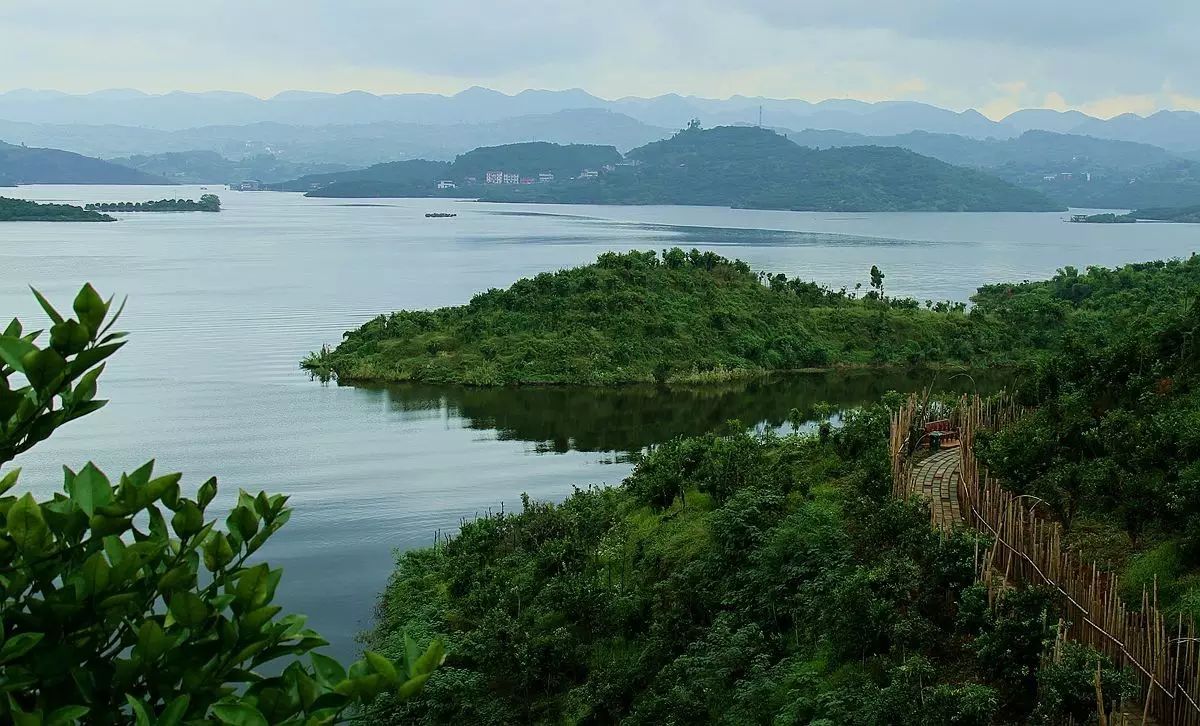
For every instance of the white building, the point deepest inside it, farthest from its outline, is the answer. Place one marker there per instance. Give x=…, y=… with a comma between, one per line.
x=446, y=184
x=507, y=178
x=545, y=177
x=494, y=177
x=589, y=174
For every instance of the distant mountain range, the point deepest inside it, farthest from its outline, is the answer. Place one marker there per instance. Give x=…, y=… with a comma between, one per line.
x=1174, y=130
x=735, y=166
x=22, y=165
x=346, y=144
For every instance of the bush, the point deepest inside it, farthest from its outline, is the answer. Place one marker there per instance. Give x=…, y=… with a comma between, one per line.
x=123, y=602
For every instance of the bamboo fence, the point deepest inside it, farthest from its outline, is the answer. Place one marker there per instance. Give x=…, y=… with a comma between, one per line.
x=1028, y=549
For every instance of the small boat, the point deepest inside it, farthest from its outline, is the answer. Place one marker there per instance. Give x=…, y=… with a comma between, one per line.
x=439, y=215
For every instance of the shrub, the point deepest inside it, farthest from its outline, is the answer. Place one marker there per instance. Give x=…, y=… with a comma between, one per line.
x=123, y=602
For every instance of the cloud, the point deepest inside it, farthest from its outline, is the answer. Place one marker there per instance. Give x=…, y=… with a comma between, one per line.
x=957, y=53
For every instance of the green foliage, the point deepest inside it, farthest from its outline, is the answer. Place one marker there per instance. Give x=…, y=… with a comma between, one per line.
x=207, y=203
x=21, y=210
x=124, y=602
x=732, y=578
x=1067, y=686
x=681, y=317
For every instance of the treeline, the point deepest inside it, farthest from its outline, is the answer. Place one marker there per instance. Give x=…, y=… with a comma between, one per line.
x=22, y=210
x=731, y=578
x=207, y=203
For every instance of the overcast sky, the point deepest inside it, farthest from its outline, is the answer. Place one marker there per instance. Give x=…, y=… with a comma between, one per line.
x=1103, y=57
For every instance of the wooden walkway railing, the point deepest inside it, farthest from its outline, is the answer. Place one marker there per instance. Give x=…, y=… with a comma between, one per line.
x=1027, y=548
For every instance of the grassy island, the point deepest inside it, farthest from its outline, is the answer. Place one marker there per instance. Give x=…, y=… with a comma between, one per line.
x=22, y=210
x=690, y=317
x=207, y=203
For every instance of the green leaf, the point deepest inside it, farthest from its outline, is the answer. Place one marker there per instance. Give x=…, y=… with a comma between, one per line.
x=85, y=390
x=217, y=552
x=411, y=687
x=27, y=527
x=46, y=305
x=327, y=670
x=188, y=608
x=141, y=716
x=238, y=714
x=188, y=520
x=66, y=715
x=208, y=490
x=19, y=645
x=90, y=307
x=433, y=657
x=9, y=480
x=21, y=718
x=90, y=489
x=94, y=574
x=13, y=350
x=174, y=712
x=382, y=666
x=151, y=641
x=14, y=329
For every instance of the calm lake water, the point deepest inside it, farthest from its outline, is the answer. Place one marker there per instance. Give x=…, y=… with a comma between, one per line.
x=222, y=306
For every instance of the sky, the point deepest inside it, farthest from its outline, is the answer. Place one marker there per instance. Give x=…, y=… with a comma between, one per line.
x=1102, y=57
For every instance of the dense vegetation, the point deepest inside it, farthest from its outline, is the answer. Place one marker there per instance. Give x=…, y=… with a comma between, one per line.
x=28, y=165
x=415, y=177
x=640, y=317
x=759, y=169
x=21, y=210
x=109, y=616
x=530, y=159
x=1113, y=447
x=731, y=579
x=207, y=203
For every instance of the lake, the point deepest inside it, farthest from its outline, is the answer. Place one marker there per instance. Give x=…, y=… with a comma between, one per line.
x=222, y=306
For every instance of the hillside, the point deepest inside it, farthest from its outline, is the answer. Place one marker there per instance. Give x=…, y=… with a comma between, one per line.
x=418, y=178
x=1077, y=171
x=634, y=317
x=21, y=210
x=25, y=165
x=756, y=168
x=209, y=167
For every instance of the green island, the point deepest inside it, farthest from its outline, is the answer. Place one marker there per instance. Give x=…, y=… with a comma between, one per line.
x=22, y=210
x=732, y=166
x=693, y=317
x=207, y=203
x=1188, y=215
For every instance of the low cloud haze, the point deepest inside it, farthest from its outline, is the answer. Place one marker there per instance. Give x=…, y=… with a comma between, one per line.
x=1101, y=58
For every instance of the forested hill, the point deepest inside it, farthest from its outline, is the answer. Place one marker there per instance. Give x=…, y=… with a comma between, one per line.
x=418, y=177
x=27, y=165
x=759, y=169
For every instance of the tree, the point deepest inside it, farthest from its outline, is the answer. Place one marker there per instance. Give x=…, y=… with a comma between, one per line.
x=877, y=280
x=107, y=613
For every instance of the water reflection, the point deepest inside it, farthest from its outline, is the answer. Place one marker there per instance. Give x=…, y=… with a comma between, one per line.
x=625, y=419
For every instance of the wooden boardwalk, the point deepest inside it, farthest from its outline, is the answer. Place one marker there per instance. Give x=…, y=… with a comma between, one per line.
x=936, y=479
